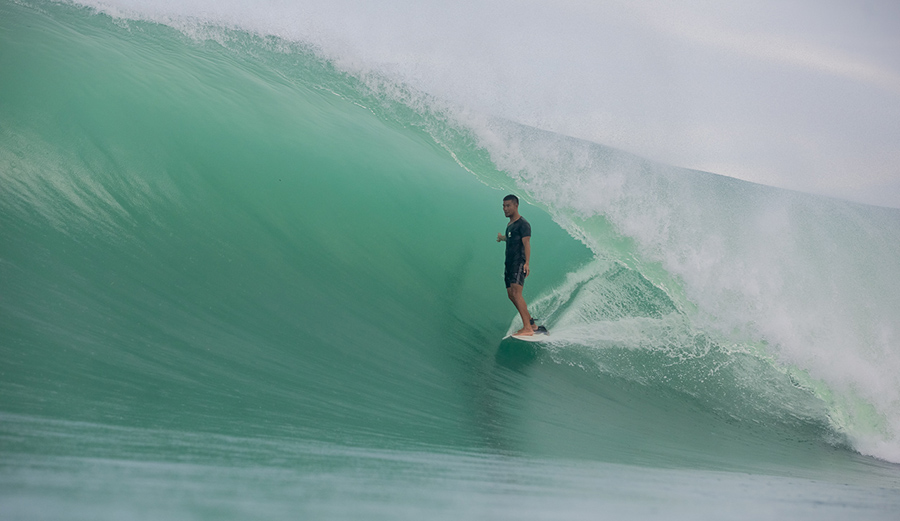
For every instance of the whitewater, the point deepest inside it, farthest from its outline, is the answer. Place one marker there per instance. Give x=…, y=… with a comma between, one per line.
x=248, y=270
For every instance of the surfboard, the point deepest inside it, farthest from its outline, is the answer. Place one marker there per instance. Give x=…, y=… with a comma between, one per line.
x=538, y=336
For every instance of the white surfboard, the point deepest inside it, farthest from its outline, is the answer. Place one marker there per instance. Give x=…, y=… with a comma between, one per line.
x=537, y=337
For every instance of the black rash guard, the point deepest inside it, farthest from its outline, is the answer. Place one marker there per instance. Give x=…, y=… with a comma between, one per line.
x=515, y=249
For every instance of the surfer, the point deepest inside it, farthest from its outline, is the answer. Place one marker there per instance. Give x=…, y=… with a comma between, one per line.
x=518, y=253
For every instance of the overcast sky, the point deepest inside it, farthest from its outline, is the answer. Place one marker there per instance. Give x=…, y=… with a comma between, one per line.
x=800, y=94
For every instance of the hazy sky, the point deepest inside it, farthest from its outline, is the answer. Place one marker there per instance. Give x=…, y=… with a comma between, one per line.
x=801, y=94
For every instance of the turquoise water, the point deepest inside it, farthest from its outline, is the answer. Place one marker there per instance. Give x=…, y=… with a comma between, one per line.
x=239, y=281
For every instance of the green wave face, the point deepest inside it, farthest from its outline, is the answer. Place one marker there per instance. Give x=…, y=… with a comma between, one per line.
x=198, y=237
x=228, y=235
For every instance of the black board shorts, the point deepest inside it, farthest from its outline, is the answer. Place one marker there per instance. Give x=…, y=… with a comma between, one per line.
x=514, y=274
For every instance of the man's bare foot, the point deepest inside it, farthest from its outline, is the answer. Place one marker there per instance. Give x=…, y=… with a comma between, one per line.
x=524, y=332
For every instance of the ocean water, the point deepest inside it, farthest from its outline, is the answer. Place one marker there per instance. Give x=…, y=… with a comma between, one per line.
x=242, y=277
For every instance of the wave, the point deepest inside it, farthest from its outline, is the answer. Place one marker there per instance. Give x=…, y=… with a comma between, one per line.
x=213, y=224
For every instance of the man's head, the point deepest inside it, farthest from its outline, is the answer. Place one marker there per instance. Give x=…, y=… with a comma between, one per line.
x=510, y=205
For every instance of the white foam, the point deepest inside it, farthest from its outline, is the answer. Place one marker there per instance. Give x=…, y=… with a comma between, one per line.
x=817, y=279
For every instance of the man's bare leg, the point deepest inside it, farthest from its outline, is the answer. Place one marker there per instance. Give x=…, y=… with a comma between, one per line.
x=515, y=295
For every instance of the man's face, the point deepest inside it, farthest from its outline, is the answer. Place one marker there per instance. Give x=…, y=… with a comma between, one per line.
x=509, y=208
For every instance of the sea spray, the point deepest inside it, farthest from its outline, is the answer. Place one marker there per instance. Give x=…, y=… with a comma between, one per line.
x=814, y=279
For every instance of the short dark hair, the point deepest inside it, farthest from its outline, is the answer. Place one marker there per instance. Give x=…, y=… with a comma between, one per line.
x=512, y=198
